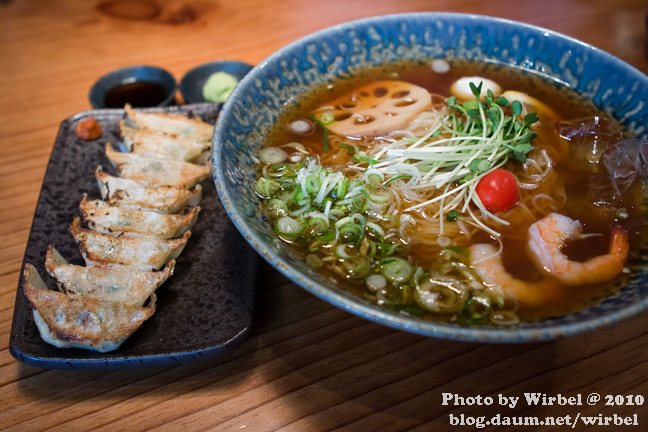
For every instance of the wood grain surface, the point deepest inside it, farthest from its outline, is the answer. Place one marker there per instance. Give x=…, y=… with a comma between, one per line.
x=307, y=366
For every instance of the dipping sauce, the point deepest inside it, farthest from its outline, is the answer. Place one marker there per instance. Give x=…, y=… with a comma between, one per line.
x=138, y=94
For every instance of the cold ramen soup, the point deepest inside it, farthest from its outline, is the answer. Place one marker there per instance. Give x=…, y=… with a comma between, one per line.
x=461, y=192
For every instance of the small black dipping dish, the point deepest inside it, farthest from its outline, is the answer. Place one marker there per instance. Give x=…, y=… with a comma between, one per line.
x=191, y=85
x=140, y=86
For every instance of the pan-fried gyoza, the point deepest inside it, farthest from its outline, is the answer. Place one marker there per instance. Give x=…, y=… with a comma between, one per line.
x=123, y=192
x=129, y=239
x=151, y=143
x=69, y=321
x=105, y=282
x=139, y=251
x=171, y=124
x=102, y=217
x=157, y=171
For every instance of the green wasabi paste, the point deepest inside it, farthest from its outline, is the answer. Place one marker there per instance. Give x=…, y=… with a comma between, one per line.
x=219, y=86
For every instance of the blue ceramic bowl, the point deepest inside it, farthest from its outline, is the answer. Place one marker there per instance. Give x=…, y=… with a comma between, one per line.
x=251, y=111
x=191, y=85
x=163, y=94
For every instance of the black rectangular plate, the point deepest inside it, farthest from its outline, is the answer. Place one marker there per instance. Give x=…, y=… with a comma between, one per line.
x=203, y=310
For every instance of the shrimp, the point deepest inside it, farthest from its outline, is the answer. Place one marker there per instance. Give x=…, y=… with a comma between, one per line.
x=549, y=235
x=486, y=261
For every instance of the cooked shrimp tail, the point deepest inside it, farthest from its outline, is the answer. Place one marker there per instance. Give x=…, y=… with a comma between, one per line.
x=486, y=261
x=619, y=244
x=548, y=236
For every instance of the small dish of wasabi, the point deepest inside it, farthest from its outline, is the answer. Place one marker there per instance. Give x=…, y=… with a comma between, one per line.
x=212, y=82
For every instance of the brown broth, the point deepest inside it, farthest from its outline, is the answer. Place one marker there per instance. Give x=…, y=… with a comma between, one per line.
x=580, y=185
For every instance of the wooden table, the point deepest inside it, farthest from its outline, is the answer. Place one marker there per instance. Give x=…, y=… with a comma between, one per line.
x=307, y=365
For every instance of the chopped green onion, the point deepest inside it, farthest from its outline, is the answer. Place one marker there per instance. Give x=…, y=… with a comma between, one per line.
x=266, y=187
x=326, y=118
x=357, y=266
x=398, y=177
x=317, y=224
x=366, y=159
x=476, y=309
x=341, y=251
x=277, y=207
x=325, y=140
x=396, y=270
x=272, y=155
x=351, y=149
x=326, y=235
x=351, y=232
x=288, y=227
x=375, y=229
